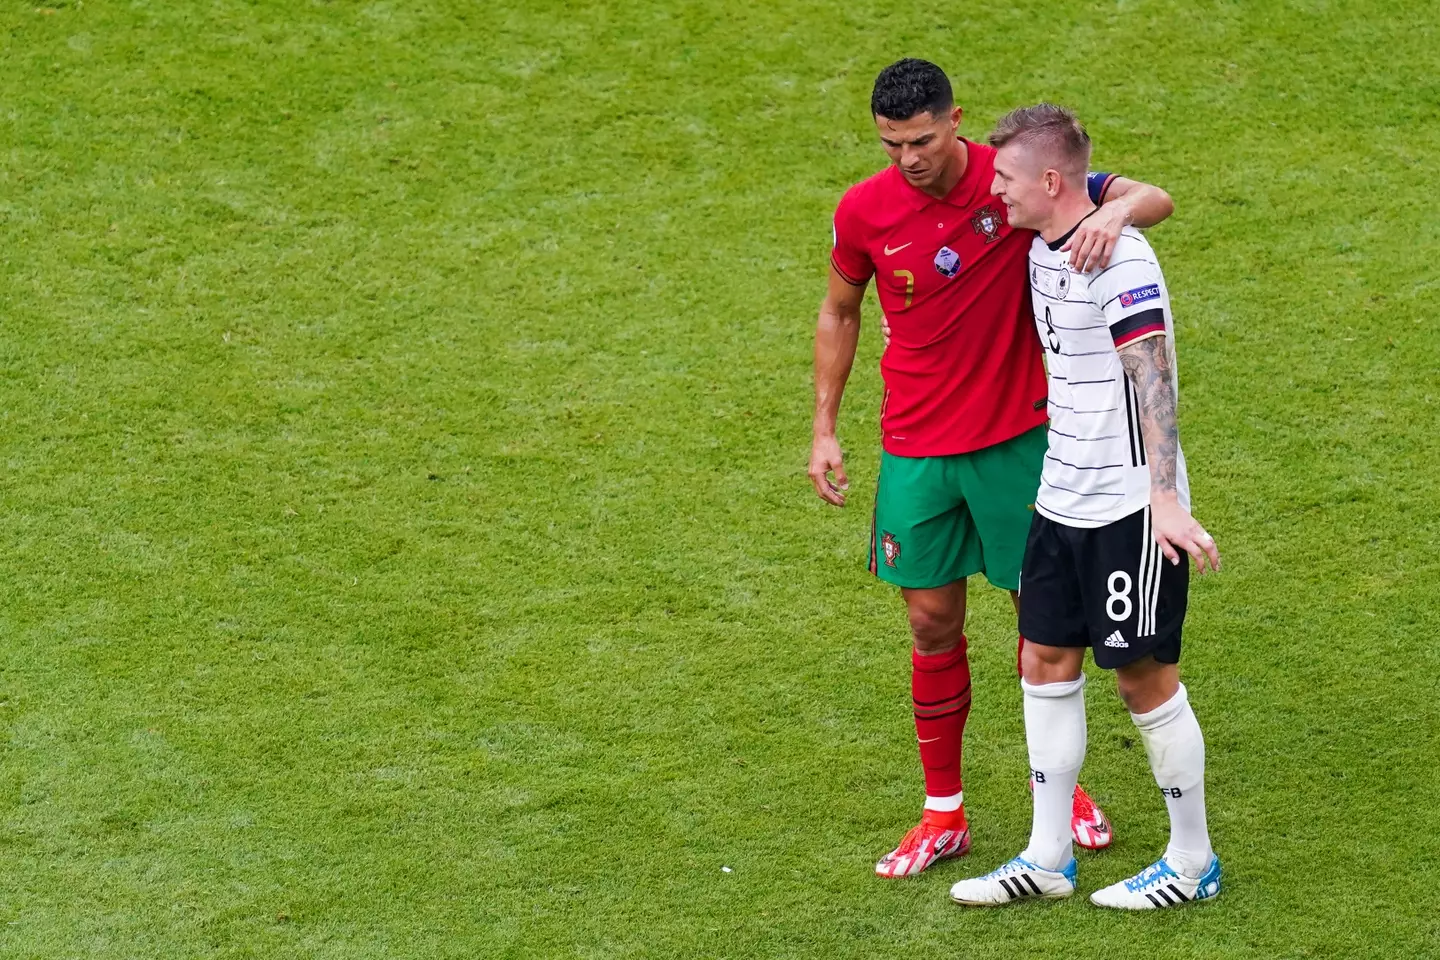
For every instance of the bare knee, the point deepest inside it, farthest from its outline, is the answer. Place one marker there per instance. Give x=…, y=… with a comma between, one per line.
x=937, y=618
x=1147, y=684
x=936, y=631
x=1040, y=664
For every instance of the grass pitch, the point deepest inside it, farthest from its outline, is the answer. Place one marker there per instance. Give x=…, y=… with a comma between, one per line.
x=407, y=549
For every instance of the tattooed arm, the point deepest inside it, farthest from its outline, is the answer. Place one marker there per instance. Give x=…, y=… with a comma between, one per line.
x=1147, y=364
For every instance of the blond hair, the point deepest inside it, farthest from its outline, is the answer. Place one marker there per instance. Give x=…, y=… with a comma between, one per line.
x=1054, y=131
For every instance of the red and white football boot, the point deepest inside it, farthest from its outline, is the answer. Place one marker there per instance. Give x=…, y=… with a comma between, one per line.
x=1088, y=823
x=938, y=836
x=1089, y=827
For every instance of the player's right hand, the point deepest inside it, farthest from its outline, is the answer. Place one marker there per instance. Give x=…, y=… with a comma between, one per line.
x=1176, y=530
x=824, y=458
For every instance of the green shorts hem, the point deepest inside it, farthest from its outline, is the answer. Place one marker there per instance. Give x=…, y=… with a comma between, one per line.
x=947, y=518
x=923, y=583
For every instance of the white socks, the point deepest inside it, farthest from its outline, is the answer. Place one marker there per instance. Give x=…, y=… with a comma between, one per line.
x=1177, y=756
x=1055, y=735
x=945, y=804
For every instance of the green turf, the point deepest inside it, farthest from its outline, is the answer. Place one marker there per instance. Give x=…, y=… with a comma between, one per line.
x=407, y=550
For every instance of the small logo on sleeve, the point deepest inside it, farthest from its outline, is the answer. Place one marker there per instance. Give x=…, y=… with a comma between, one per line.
x=1139, y=295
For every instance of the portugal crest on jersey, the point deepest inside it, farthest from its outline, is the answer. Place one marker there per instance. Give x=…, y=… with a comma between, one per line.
x=988, y=223
x=891, y=548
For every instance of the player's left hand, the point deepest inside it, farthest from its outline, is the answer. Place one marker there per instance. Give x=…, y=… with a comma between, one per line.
x=884, y=331
x=1175, y=530
x=1094, y=240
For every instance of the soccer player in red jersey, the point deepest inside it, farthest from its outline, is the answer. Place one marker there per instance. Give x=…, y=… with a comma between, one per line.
x=963, y=419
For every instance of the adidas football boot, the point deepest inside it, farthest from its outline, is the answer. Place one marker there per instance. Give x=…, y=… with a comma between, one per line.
x=1159, y=886
x=1017, y=880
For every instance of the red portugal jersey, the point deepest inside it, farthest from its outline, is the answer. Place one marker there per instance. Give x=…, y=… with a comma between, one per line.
x=963, y=369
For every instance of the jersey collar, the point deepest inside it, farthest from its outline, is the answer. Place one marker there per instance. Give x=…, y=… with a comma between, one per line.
x=1060, y=242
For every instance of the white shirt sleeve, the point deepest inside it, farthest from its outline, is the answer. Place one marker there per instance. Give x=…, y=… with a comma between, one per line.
x=1131, y=293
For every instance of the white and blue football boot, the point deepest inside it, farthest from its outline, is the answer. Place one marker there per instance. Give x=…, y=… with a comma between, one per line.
x=1158, y=886
x=1017, y=880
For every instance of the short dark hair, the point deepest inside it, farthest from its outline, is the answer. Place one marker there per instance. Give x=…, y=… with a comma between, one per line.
x=1053, y=129
x=911, y=86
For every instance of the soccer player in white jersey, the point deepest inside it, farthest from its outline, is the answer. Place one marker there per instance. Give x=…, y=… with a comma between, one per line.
x=1104, y=564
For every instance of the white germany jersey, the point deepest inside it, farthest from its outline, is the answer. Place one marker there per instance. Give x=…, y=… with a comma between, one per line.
x=1096, y=471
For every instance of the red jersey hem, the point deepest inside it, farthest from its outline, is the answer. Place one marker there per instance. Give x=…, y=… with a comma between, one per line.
x=906, y=448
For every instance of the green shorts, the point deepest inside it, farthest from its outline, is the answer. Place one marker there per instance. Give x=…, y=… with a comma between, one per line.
x=941, y=519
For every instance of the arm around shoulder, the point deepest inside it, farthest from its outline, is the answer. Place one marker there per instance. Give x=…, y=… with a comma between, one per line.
x=1122, y=202
x=1144, y=204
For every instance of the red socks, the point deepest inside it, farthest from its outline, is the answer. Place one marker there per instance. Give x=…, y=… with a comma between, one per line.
x=940, y=688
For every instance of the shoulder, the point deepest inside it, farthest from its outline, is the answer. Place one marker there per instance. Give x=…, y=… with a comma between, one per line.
x=981, y=159
x=1132, y=252
x=1133, y=268
x=1133, y=258
x=872, y=193
x=1135, y=241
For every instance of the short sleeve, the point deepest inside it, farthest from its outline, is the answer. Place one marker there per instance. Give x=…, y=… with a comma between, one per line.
x=1131, y=294
x=1098, y=184
x=849, y=256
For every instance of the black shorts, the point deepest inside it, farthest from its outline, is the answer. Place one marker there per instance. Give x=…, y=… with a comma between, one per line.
x=1107, y=587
